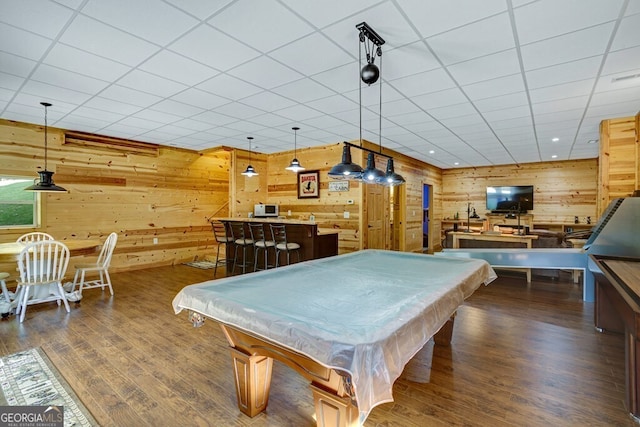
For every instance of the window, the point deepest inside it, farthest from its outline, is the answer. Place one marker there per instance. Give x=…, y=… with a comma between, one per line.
x=18, y=208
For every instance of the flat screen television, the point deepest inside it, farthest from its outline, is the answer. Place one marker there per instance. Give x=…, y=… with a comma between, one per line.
x=506, y=198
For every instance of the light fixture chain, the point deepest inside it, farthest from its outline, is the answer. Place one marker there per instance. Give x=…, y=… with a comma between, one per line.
x=380, y=106
x=45, y=136
x=360, y=83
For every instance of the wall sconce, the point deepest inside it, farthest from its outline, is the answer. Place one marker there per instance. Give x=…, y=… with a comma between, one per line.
x=249, y=171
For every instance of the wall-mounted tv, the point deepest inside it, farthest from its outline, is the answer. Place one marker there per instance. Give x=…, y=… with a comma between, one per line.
x=506, y=198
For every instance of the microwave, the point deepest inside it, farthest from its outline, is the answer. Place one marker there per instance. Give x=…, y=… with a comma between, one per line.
x=264, y=211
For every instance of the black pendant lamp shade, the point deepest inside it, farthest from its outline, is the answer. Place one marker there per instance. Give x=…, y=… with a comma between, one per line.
x=295, y=165
x=46, y=177
x=346, y=169
x=249, y=171
x=370, y=174
x=391, y=178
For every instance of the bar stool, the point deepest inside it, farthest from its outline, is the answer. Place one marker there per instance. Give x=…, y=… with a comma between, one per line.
x=260, y=242
x=222, y=238
x=240, y=241
x=279, y=234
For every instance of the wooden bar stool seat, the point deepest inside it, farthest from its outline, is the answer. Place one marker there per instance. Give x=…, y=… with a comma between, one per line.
x=279, y=233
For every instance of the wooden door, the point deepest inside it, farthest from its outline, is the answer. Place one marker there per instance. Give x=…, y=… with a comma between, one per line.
x=377, y=217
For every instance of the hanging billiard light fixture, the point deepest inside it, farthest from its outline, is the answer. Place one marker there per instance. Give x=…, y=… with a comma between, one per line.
x=295, y=165
x=46, y=177
x=249, y=171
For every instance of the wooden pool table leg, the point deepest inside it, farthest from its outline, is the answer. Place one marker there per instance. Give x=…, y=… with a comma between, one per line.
x=253, y=381
x=443, y=336
x=333, y=410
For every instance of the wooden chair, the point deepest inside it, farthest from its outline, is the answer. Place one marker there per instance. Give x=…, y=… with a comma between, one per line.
x=3, y=284
x=279, y=233
x=260, y=242
x=222, y=238
x=42, y=267
x=240, y=241
x=36, y=236
x=101, y=267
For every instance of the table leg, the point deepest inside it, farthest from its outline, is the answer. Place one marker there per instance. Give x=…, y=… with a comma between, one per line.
x=443, y=336
x=253, y=381
x=333, y=410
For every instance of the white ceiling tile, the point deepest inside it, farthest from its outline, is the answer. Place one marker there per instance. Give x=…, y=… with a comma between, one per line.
x=564, y=73
x=177, y=68
x=611, y=111
x=559, y=116
x=229, y=87
x=453, y=122
x=452, y=111
x=102, y=40
x=442, y=98
x=312, y=54
x=247, y=21
x=67, y=79
x=206, y=44
x=384, y=18
x=199, y=98
x=485, y=68
x=77, y=122
x=327, y=12
x=341, y=79
x=268, y=101
x=436, y=17
x=5, y=95
x=79, y=61
x=176, y=108
x=405, y=60
x=570, y=47
x=239, y=110
x=176, y=130
x=557, y=92
x=627, y=94
x=16, y=65
x=42, y=17
x=495, y=87
x=247, y=127
x=426, y=82
x=214, y=119
x=146, y=82
x=156, y=116
x=401, y=106
x=194, y=125
x=548, y=18
x=162, y=23
x=412, y=118
x=130, y=96
x=50, y=92
x=269, y=119
x=323, y=122
x=560, y=105
x=501, y=102
x=481, y=38
x=106, y=116
x=200, y=8
x=303, y=90
x=371, y=95
x=106, y=104
x=333, y=104
x=628, y=34
x=298, y=112
x=22, y=43
x=265, y=72
x=56, y=111
x=509, y=113
x=140, y=123
x=622, y=60
x=9, y=81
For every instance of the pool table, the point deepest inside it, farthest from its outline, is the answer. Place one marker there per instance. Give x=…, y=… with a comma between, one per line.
x=348, y=323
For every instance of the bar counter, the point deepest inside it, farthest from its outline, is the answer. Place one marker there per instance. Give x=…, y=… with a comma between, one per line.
x=314, y=242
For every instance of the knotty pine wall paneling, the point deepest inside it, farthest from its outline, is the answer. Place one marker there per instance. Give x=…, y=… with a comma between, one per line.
x=563, y=189
x=619, y=159
x=245, y=192
x=330, y=207
x=164, y=193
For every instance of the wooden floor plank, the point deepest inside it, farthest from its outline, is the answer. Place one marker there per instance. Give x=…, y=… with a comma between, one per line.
x=520, y=355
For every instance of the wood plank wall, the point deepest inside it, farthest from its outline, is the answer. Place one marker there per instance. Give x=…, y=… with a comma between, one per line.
x=245, y=192
x=563, y=189
x=168, y=195
x=620, y=160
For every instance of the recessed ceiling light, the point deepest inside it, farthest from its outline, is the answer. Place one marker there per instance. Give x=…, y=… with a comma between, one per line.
x=456, y=163
x=556, y=139
x=554, y=156
x=431, y=151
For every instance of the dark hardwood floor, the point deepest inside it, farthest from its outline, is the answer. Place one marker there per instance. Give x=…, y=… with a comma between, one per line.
x=520, y=356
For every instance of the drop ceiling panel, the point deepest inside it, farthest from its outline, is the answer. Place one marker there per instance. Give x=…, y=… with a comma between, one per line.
x=200, y=8
x=495, y=87
x=564, y=73
x=304, y=90
x=265, y=25
x=622, y=60
x=265, y=72
x=481, y=38
x=486, y=68
x=229, y=87
x=63, y=78
x=130, y=96
x=410, y=59
x=79, y=61
x=312, y=54
x=10, y=83
x=421, y=83
x=43, y=18
x=22, y=43
x=177, y=68
x=517, y=99
x=199, y=98
x=558, y=92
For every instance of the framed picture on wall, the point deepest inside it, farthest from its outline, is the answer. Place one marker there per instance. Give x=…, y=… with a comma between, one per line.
x=308, y=185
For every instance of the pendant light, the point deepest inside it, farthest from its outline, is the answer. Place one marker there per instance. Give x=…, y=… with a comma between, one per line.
x=391, y=178
x=346, y=169
x=371, y=175
x=46, y=177
x=295, y=165
x=250, y=171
